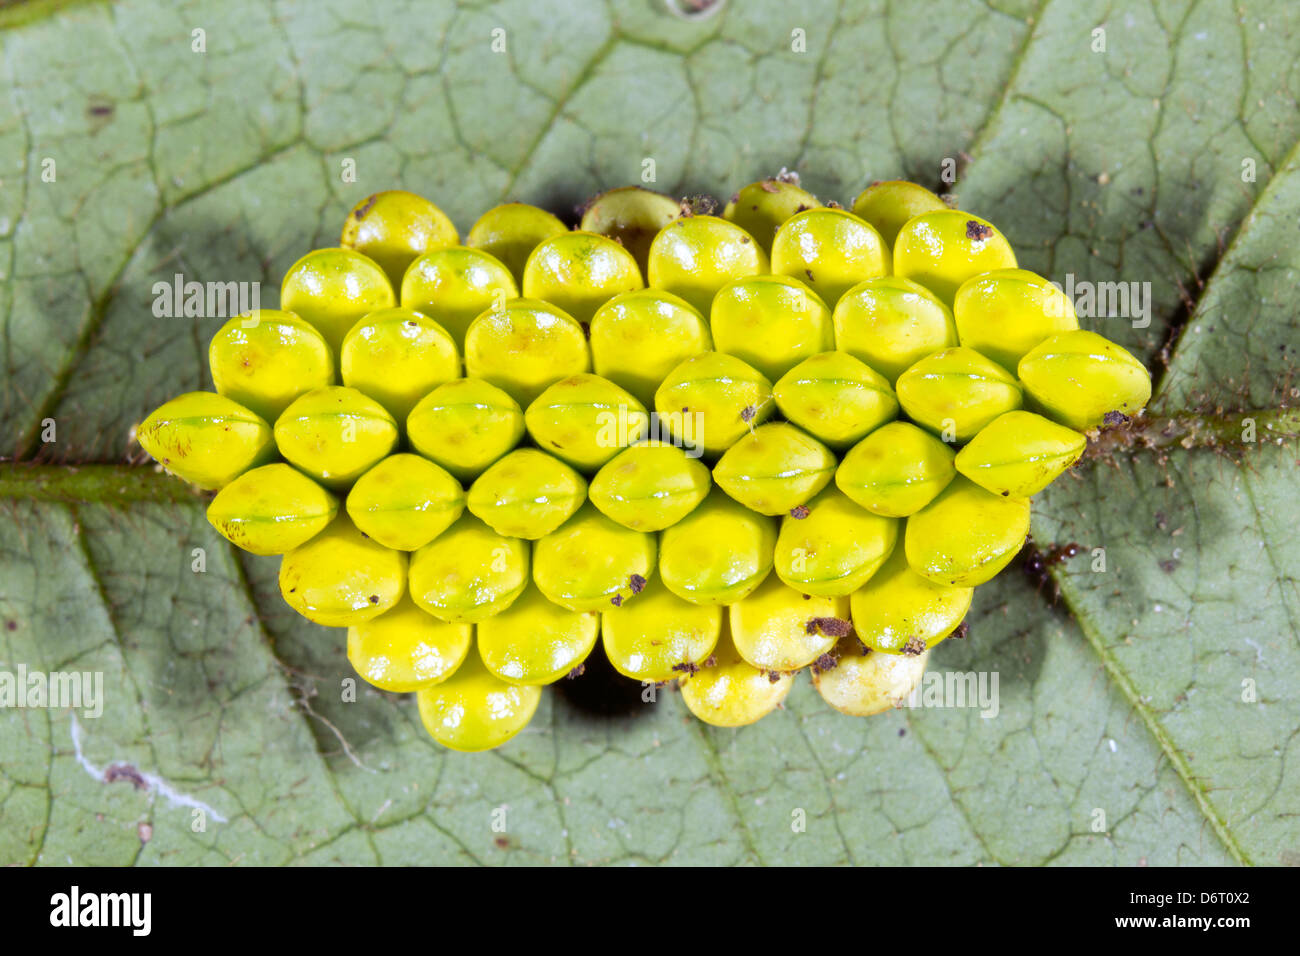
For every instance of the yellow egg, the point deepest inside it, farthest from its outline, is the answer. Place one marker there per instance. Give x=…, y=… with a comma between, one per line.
x=1019, y=454
x=659, y=636
x=896, y=470
x=405, y=501
x=708, y=402
x=731, y=692
x=966, y=535
x=341, y=577
x=333, y=289
x=889, y=205
x=718, y=553
x=271, y=510
x=473, y=710
x=777, y=468
x=632, y=216
x=590, y=562
x=762, y=207
x=639, y=337
x=833, y=545
x=454, y=286
x=335, y=434
x=526, y=494
x=1078, y=378
x=465, y=425
x=406, y=649
x=469, y=572
x=891, y=323
x=1004, y=314
x=585, y=420
x=396, y=357
x=650, y=486
x=830, y=249
x=206, y=439
x=780, y=629
x=956, y=392
x=863, y=683
x=770, y=322
x=524, y=346
x=265, y=359
x=394, y=227
x=835, y=398
x=579, y=272
x=900, y=612
x=943, y=249
x=695, y=256
x=510, y=232
x=536, y=642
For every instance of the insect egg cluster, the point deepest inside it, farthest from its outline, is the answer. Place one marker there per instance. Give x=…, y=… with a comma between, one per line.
x=728, y=448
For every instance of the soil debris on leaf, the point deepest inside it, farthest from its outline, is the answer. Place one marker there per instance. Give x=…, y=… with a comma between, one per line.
x=1037, y=564
x=124, y=771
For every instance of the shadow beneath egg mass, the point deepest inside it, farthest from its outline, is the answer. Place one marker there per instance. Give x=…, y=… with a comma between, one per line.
x=599, y=692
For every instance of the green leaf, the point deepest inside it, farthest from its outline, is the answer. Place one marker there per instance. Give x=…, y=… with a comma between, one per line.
x=1160, y=693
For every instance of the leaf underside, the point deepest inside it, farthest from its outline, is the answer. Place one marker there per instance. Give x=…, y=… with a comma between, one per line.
x=1159, y=695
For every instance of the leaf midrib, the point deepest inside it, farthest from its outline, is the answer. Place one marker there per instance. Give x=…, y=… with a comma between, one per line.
x=117, y=483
